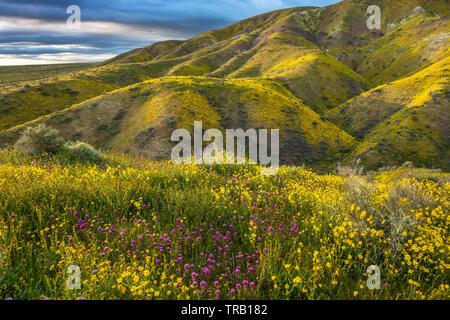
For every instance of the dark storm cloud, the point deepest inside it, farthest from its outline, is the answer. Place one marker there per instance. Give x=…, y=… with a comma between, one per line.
x=188, y=17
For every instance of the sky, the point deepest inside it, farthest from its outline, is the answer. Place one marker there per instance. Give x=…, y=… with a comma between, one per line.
x=46, y=31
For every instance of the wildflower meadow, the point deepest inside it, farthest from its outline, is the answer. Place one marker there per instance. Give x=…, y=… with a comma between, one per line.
x=138, y=229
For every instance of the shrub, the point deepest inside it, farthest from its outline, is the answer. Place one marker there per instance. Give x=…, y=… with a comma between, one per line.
x=40, y=140
x=392, y=211
x=80, y=151
x=355, y=169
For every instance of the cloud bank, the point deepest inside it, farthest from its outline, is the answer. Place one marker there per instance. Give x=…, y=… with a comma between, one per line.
x=34, y=32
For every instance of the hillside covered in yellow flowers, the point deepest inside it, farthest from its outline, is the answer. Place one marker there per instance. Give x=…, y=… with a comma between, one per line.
x=336, y=90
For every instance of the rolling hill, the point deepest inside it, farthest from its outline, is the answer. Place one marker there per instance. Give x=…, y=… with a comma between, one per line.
x=336, y=90
x=140, y=118
x=404, y=120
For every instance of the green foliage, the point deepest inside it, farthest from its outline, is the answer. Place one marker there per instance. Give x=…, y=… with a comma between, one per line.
x=81, y=152
x=39, y=141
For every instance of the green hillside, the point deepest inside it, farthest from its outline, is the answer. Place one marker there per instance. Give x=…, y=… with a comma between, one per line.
x=416, y=44
x=14, y=77
x=139, y=119
x=404, y=120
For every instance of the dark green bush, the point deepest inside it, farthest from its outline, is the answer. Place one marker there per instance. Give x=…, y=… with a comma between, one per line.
x=83, y=152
